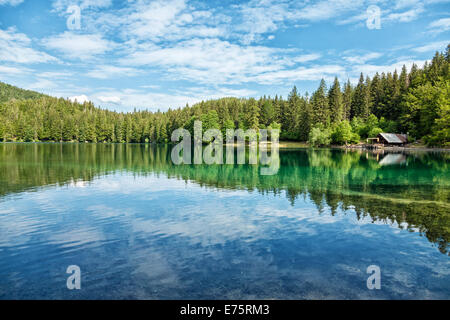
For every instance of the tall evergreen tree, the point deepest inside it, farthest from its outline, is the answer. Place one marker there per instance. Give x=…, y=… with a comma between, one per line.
x=347, y=100
x=335, y=102
x=320, y=109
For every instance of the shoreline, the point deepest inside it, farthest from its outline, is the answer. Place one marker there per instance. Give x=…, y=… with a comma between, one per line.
x=281, y=145
x=407, y=148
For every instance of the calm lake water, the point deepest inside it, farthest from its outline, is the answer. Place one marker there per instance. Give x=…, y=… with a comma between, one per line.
x=140, y=227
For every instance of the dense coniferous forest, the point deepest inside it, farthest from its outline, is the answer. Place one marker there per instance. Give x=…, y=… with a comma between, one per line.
x=412, y=101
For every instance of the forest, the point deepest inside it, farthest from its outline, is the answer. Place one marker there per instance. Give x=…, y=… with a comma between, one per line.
x=414, y=101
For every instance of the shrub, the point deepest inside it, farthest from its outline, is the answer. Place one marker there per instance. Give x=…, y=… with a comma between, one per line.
x=319, y=136
x=342, y=133
x=374, y=132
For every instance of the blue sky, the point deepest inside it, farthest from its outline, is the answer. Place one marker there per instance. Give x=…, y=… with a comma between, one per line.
x=166, y=53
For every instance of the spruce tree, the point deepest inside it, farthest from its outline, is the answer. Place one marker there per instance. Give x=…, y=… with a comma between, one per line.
x=320, y=110
x=335, y=102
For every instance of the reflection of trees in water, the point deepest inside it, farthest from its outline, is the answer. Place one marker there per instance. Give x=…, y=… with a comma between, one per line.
x=415, y=192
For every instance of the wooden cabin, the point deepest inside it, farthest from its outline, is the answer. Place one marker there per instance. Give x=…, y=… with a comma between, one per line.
x=393, y=139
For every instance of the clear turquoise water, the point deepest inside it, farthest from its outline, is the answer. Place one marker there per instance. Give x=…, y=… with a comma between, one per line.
x=140, y=227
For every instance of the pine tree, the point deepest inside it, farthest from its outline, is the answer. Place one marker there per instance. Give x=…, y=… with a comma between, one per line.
x=320, y=110
x=335, y=102
x=347, y=100
x=360, y=101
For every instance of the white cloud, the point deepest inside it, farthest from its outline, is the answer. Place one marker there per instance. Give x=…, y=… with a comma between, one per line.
x=13, y=70
x=107, y=72
x=130, y=98
x=313, y=73
x=80, y=99
x=392, y=13
x=370, y=69
x=143, y=100
x=16, y=47
x=324, y=10
x=440, y=25
x=42, y=85
x=207, y=60
x=306, y=57
x=259, y=17
x=406, y=16
x=78, y=46
x=155, y=20
x=10, y=2
x=434, y=46
x=62, y=5
x=360, y=59
x=110, y=99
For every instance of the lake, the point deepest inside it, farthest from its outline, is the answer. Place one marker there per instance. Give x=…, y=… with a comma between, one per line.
x=140, y=227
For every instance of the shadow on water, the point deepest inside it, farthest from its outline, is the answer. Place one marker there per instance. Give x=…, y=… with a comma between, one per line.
x=411, y=190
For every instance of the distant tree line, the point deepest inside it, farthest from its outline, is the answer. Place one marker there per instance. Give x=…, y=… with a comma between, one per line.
x=414, y=102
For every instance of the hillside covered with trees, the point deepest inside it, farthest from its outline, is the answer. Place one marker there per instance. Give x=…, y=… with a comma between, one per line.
x=413, y=101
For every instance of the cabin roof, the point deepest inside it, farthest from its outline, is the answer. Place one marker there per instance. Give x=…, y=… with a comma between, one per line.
x=392, y=138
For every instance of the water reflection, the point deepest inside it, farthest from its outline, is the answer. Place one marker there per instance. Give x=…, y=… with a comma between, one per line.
x=140, y=227
x=411, y=191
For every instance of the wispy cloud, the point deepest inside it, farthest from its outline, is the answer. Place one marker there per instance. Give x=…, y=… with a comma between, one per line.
x=6, y=70
x=10, y=2
x=406, y=16
x=439, y=26
x=17, y=47
x=323, y=10
x=433, y=46
x=108, y=72
x=208, y=60
x=360, y=59
x=78, y=46
x=62, y=5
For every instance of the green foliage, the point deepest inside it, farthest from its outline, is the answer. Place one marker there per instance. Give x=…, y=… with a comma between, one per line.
x=9, y=92
x=272, y=127
x=342, y=133
x=424, y=105
x=440, y=133
x=229, y=124
x=387, y=125
x=374, y=132
x=368, y=128
x=319, y=136
x=335, y=102
x=320, y=107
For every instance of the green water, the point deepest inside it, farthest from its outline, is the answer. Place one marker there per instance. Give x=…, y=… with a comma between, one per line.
x=142, y=227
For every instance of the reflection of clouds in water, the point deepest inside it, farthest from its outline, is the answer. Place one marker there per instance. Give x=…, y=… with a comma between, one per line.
x=75, y=237
x=153, y=268
x=17, y=226
x=105, y=212
x=48, y=201
x=166, y=232
x=7, y=211
x=308, y=214
x=212, y=223
x=77, y=184
x=15, y=232
x=128, y=184
x=357, y=230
